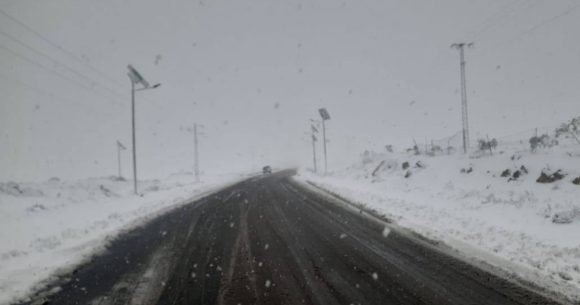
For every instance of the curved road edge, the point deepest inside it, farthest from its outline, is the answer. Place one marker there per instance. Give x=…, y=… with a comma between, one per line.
x=456, y=249
x=48, y=285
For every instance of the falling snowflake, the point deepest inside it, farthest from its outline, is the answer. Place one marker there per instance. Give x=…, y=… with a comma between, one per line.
x=386, y=232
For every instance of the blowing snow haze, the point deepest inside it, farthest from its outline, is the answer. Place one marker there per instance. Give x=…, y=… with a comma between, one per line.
x=254, y=72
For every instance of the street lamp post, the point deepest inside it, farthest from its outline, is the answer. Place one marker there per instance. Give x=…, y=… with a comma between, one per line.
x=120, y=147
x=136, y=78
x=314, y=130
x=325, y=116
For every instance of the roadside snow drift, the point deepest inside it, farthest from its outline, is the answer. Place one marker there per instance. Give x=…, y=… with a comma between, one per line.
x=51, y=226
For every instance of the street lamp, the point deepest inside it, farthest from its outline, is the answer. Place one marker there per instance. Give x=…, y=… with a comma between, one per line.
x=136, y=79
x=325, y=116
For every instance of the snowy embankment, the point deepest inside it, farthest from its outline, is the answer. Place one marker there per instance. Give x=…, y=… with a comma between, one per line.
x=489, y=207
x=48, y=227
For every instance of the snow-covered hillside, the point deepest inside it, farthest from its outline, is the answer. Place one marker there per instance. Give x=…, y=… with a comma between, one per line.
x=47, y=226
x=481, y=203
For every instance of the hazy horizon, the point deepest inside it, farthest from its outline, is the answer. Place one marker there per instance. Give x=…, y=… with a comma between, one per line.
x=255, y=73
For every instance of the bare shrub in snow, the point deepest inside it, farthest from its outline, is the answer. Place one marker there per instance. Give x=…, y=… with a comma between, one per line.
x=487, y=145
x=36, y=207
x=515, y=176
x=107, y=192
x=466, y=170
x=567, y=216
x=415, y=150
x=434, y=150
x=571, y=128
x=17, y=190
x=506, y=173
x=549, y=178
x=543, y=141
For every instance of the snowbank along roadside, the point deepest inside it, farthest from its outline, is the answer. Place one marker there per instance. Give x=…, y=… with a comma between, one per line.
x=518, y=205
x=46, y=228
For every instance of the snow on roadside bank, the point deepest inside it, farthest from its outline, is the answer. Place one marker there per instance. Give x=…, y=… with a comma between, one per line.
x=465, y=201
x=45, y=227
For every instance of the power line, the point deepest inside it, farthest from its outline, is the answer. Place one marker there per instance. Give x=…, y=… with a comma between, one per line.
x=542, y=24
x=496, y=18
x=44, y=93
x=65, y=51
x=56, y=62
x=51, y=71
x=58, y=47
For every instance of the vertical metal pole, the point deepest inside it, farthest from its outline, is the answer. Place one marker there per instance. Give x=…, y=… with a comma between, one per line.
x=196, y=166
x=119, y=160
x=324, y=140
x=464, y=99
x=134, y=142
x=314, y=151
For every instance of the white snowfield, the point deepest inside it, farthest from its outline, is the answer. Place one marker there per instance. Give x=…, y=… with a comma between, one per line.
x=46, y=228
x=522, y=227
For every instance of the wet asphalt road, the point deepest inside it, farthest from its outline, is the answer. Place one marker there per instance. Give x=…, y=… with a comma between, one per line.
x=268, y=240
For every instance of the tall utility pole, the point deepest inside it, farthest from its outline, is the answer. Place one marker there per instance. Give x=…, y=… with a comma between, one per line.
x=324, y=142
x=196, y=152
x=133, y=136
x=465, y=124
x=120, y=147
x=314, y=130
x=325, y=116
x=136, y=78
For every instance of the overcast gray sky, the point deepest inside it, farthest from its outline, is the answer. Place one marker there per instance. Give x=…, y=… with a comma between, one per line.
x=254, y=72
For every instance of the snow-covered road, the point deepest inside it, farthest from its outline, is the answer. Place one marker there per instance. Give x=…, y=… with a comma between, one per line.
x=271, y=240
x=48, y=227
x=510, y=223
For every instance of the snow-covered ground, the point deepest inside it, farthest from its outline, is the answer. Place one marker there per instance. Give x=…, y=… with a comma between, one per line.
x=50, y=226
x=533, y=228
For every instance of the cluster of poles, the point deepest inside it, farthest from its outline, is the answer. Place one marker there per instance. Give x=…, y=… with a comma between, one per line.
x=138, y=83
x=314, y=130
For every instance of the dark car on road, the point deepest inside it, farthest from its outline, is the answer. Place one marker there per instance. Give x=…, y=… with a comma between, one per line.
x=267, y=169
